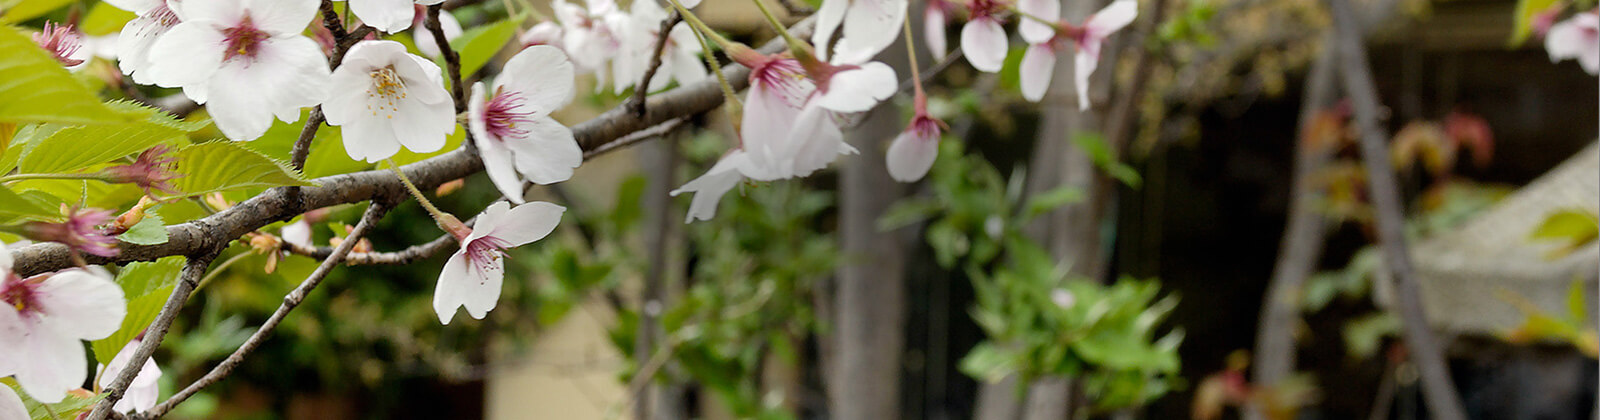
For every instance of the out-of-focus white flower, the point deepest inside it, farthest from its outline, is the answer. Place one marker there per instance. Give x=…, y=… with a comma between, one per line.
x=384, y=98
x=424, y=38
x=1032, y=30
x=145, y=390
x=912, y=153
x=983, y=41
x=512, y=124
x=543, y=33
x=473, y=276
x=155, y=18
x=869, y=27
x=42, y=320
x=1038, y=63
x=1577, y=38
x=935, y=17
x=680, y=58
x=389, y=16
x=246, y=60
x=588, y=34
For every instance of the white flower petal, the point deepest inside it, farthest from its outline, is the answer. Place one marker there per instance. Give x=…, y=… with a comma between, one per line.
x=829, y=17
x=1033, y=31
x=1038, y=65
x=860, y=89
x=542, y=75
x=52, y=364
x=187, y=55
x=135, y=6
x=80, y=304
x=709, y=188
x=279, y=17
x=218, y=12
x=548, y=154
x=1085, y=61
x=1576, y=38
x=389, y=16
x=984, y=43
x=11, y=407
x=933, y=25
x=424, y=38
x=451, y=290
x=911, y=155
x=286, y=74
x=145, y=390
x=1113, y=17
x=871, y=25
x=5, y=261
x=816, y=140
x=529, y=222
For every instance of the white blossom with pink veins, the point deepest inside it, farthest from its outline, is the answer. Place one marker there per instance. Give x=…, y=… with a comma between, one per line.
x=1578, y=38
x=512, y=124
x=384, y=98
x=983, y=41
x=869, y=27
x=389, y=16
x=473, y=276
x=246, y=60
x=145, y=390
x=155, y=18
x=1038, y=63
x=43, y=320
x=11, y=406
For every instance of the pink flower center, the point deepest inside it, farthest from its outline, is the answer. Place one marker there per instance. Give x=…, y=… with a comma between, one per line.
x=504, y=113
x=483, y=252
x=783, y=77
x=60, y=41
x=243, y=40
x=20, y=294
x=983, y=9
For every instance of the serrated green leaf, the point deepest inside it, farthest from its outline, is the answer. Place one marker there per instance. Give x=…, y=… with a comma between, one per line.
x=479, y=44
x=75, y=148
x=223, y=166
x=150, y=231
x=141, y=311
x=18, y=206
x=36, y=88
x=21, y=10
x=105, y=19
x=143, y=278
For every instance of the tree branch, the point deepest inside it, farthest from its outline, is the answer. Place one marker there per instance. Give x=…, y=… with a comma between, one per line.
x=406, y=256
x=274, y=205
x=374, y=212
x=636, y=102
x=450, y=57
x=187, y=280
x=1438, y=389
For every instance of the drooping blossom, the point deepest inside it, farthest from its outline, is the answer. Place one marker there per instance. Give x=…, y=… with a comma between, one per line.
x=388, y=16
x=1577, y=38
x=155, y=18
x=63, y=42
x=43, y=320
x=384, y=98
x=1038, y=63
x=934, y=18
x=245, y=60
x=512, y=124
x=983, y=41
x=80, y=231
x=680, y=57
x=1029, y=25
x=424, y=37
x=152, y=170
x=473, y=275
x=145, y=390
x=11, y=406
x=913, y=151
x=869, y=27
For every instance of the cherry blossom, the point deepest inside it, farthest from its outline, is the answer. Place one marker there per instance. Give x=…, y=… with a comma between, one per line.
x=680, y=57
x=152, y=170
x=983, y=41
x=245, y=59
x=934, y=18
x=389, y=16
x=80, y=231
x=512, y=124
x=424, y=38
x=384, y=98
x=869, y=26
x=11, y=406
x=588, y=33
x=42, y=321
x=1577, y=38
x=913, y=151
x=473, y=275
x=155, y=18
x=1039, y=61
x=145, y=390
x=63, y=42
x=543, y=33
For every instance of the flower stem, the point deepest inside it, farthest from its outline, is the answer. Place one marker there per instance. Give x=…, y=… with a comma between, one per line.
x=20, y=177
x=911, y=53
x=732, y=106
x=800, y=49
x=438, y=216
x=1029, y=16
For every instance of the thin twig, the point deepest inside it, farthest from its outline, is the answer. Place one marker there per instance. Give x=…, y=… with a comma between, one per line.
x=931, y=72
x=638, y=136
x=796, y=9
x=290, y=301
x=1438, y=389
x=302, y=145
x=451, y=59
x=636, y=102
x=406, y=256
x=187, y=280
x=330, y=20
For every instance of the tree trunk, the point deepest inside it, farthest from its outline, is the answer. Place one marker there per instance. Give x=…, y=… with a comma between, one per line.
x=659, y=159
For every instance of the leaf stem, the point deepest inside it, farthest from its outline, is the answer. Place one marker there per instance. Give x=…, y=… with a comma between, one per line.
x=21, y=177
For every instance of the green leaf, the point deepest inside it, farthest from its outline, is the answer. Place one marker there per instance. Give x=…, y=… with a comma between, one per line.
x=70, y=149
x=141, y=311
x=105, y=19
x=37, y=89
x=1576, y=310
x=479, y=44
x=150, y=231
x=1575, y=228
x=1050, y=200
x=224, y=165
x=1522, y=25
x=143, y=278
x=18, y=206
x=1363, y=335
x=907, y=212
x=1101, y=154
x=988, y=363
x=21, y=10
